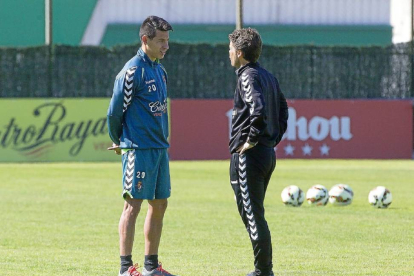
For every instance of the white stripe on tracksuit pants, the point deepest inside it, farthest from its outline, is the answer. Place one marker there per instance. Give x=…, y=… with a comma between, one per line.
x=250, y=173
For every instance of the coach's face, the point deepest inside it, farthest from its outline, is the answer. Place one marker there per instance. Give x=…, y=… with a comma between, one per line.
x=157, y=47
x=234, y=56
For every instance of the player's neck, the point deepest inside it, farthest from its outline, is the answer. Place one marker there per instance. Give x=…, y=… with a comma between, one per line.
x=147, y=52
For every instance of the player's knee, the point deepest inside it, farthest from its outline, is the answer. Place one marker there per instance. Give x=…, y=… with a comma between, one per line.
x=132, y=211
x=132, y=207
x=159, y=205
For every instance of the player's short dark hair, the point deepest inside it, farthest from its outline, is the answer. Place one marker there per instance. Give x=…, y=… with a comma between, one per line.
x=151, y=24
x=249, y=42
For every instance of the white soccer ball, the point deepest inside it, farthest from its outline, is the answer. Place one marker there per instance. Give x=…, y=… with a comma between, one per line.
x=341, y=195
x=292, y=196
x=317, y=195
x=380, y=197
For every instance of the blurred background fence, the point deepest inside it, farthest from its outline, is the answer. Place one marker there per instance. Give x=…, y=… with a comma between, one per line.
x=204, y=71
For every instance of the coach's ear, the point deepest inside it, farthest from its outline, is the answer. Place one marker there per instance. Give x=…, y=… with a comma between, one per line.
x=239, y=54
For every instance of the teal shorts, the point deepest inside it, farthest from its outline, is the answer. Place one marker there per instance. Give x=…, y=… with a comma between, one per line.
x=146, y=174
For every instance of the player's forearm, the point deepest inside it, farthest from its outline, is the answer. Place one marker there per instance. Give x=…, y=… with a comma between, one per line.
x=114, y=128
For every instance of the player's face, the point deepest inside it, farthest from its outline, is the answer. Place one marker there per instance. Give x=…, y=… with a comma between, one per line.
x=234, y=60
x=158, y=46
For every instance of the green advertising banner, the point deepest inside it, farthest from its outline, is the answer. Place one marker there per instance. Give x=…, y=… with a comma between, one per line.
x=54, y=130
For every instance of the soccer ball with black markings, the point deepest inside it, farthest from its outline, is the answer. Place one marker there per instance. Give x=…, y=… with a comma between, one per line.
x=380, y=197
x=292, y=196
x=341, y=195
x=317, y=195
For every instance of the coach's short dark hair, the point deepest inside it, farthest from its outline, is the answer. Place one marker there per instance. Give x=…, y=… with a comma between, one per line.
x=151, y=24
x=249, y=42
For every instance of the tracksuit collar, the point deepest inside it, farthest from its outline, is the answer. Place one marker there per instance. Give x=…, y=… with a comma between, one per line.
x=248, y=65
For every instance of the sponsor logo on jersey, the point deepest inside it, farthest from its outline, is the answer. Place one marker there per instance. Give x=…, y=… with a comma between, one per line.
x=157, y=108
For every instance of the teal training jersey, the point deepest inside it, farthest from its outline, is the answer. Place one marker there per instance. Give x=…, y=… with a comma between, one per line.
x=137, y=115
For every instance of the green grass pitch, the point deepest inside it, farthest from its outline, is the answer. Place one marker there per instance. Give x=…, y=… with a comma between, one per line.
x=62, y=218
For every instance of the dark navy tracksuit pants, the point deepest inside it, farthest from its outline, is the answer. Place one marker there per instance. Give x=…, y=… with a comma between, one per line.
x=250, y=173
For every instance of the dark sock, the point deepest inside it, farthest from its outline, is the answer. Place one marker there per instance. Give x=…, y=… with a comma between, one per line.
x=151, y=262
x=126, y=262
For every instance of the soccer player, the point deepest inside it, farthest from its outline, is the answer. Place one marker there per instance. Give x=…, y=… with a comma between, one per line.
x=138, y=126
x=259, y=121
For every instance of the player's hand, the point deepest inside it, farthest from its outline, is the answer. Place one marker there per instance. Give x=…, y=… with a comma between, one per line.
x=115, y=148
x=244, y=147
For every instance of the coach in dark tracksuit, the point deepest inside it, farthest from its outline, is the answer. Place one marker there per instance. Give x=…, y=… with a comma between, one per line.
x=259, y=121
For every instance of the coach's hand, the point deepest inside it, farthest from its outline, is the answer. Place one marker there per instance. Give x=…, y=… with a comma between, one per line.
x=245, y=147
x=115, y=148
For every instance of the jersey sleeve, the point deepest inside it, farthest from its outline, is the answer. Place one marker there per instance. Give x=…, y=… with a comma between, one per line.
x=123, y=92
x=252, y=95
